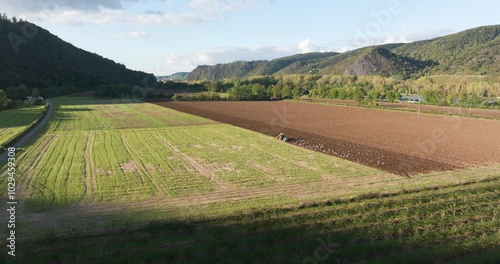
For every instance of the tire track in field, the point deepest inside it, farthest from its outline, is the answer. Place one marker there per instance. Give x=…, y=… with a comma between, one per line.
x=158, y=182
x=89, y=168
x=142, y=167
x=68, y=179
x=23, y=191
x=196, y=165
x=63, y=156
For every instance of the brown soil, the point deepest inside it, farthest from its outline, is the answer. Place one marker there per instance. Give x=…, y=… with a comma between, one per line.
x=397, y=142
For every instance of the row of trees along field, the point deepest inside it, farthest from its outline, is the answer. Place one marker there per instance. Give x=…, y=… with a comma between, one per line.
x=452, y=90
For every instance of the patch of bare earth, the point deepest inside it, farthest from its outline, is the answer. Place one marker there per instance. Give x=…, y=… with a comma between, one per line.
x=130, y=167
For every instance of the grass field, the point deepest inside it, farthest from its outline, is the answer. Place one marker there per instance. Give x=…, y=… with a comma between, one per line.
x=15, y=121
x=129, y=182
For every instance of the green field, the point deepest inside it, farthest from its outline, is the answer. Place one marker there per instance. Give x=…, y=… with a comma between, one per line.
x=130, y=152
x=130, y=182
x=15, y=121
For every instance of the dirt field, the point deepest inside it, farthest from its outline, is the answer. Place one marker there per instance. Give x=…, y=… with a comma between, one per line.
x=397, y=142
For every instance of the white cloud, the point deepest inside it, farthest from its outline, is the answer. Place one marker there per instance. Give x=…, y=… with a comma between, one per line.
x=305, y=46
x=79, y=17
x=113, y=11
x=48, y=6
x=395, y=39
x=134, y=34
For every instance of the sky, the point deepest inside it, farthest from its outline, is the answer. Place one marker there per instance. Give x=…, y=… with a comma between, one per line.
x=167, y=36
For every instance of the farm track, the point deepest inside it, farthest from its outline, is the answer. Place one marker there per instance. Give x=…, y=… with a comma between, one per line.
x=29, y=134
x=398, y=163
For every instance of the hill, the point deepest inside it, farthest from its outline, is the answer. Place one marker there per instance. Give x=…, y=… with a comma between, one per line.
x=31, y=57
x=471, y=52
x=179, y=76
x=244, y=69
x=377, y=60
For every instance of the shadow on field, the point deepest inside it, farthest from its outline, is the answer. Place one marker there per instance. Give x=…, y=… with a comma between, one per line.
x=83, y=109
x=380, y=228
x=69, y=100
x=20, y=120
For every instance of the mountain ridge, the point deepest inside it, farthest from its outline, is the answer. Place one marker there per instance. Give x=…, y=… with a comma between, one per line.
x=469, y=52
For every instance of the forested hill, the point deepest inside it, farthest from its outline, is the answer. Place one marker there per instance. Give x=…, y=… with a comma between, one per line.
x=31, y=57
x=471, y=52
x=244, y=69
x=474, y=51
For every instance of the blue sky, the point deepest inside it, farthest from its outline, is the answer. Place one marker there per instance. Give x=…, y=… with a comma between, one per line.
x=164, y=37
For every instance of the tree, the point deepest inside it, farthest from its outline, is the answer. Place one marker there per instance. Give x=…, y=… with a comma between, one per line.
x=389, y=96
x=3, y=100
x=259, y=92
x=358, y=95
x=334, y=93
x=397, y=96
x=374, y=94
x=342, y=94
x=214, y=86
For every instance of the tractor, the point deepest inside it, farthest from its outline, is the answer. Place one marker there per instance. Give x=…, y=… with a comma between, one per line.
x=282, y=137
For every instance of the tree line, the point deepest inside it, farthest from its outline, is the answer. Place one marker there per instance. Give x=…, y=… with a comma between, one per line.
x=367, y=90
